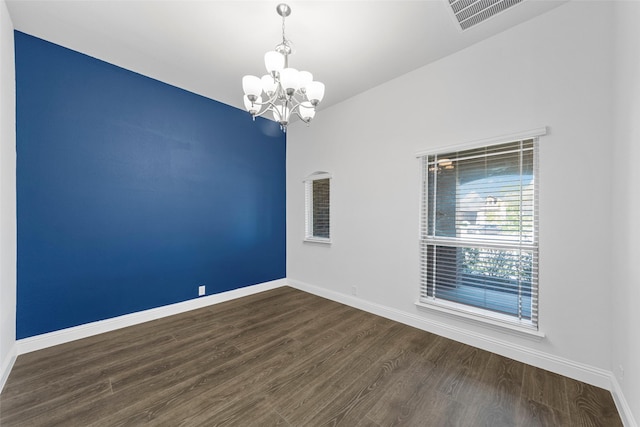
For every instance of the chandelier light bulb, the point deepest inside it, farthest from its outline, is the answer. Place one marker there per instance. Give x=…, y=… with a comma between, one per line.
x=274, y=62
x=315, y=92
x=252, y=107
x=289, y=80
x=252, y=87
x=307, y=113
x=304, y=78
x=269, y=84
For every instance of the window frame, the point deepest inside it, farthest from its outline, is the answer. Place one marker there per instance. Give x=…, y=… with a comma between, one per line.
x=459, y=309
x=309, y=208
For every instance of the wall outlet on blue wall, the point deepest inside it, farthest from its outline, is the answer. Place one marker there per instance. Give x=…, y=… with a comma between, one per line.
x=201, y=290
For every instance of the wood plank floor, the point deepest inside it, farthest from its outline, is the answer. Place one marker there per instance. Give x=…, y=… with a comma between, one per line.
x=288, y=358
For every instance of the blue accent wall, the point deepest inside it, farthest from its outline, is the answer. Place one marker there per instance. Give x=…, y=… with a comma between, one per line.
x=132, y=192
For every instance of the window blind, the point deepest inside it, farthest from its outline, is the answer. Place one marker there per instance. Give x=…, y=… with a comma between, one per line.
x=320, y=214
x=479, y=231
x=317, y=207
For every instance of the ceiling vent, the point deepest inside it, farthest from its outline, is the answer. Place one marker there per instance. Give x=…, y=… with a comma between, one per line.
x=471, y=12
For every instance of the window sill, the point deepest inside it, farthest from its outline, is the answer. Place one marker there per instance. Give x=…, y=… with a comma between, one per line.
x=317, y=240
x=522, y=331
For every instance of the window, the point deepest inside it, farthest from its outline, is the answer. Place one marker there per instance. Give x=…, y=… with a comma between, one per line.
x=317, y=207
x=478, y=234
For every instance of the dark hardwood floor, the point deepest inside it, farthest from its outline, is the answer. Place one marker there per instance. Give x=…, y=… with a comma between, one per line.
x=288, y=358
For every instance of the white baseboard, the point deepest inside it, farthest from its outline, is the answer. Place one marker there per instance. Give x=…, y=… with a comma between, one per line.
x=579, y=371
x=6, y=365
x=621, y=403
x=50, y=339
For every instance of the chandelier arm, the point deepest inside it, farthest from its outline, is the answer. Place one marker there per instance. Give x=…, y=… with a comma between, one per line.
x=299, y=102
x=307, y=121
x=270, y=105
x=262, y=113
x=269, y=101
x=295, y=104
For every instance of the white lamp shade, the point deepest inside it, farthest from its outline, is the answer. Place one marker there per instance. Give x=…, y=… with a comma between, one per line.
x=268, y=84
x=252, y=107
x=252, y=85
x=289, y=79
x=281, y=114
x=307, y=113
x=315, y=92
x=274, y=61
x=304, y=78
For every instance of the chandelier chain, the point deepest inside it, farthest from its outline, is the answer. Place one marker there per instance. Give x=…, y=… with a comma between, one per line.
x=284, y=39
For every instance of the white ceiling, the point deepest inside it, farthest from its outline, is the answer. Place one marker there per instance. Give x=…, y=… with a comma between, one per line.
x=207, y=46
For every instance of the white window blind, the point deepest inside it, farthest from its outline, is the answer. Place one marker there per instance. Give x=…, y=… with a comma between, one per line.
x=318, y=207
x=479, y=231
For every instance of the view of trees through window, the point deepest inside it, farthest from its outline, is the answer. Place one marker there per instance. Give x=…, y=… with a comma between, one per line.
x=318, y=207
x=321, y=188
x=480, y=228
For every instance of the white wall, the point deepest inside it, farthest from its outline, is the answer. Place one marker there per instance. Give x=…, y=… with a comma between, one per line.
x=626, y=204
x=555, y=71
x=7, y=196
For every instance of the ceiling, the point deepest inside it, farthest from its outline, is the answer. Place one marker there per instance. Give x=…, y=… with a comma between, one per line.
x=207, y=46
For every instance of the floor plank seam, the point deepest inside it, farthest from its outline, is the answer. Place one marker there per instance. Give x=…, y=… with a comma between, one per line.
x=280, y=415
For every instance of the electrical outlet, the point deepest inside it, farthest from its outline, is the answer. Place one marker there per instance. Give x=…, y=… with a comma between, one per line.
x=201, y=290
x=354, y=290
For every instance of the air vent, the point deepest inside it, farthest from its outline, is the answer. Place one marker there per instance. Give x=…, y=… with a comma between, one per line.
x=471, y=12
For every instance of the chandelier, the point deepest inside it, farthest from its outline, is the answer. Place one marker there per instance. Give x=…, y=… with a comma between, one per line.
x=284, y=90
